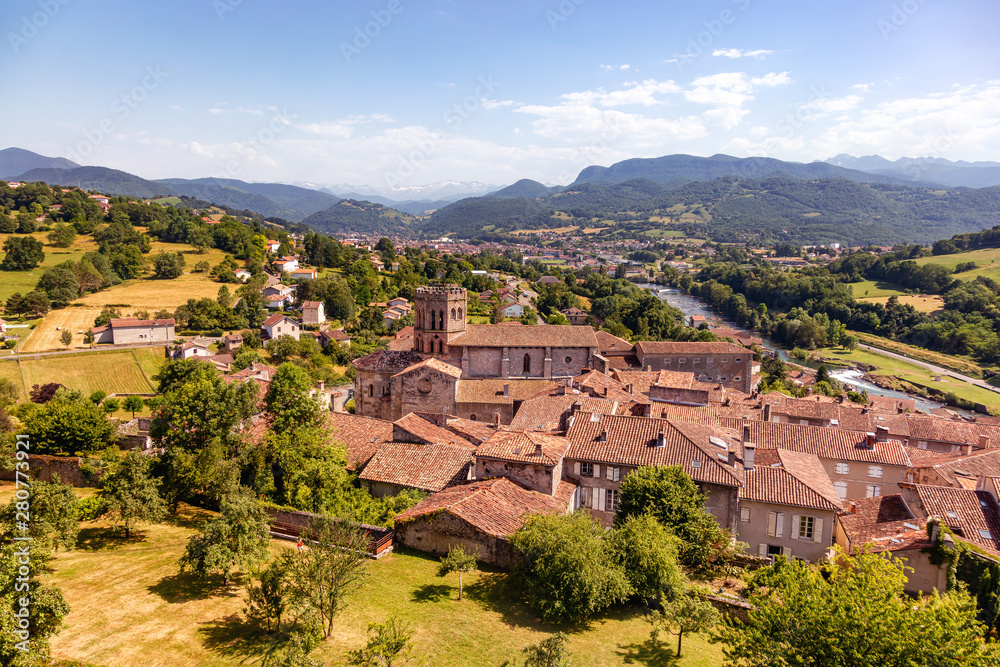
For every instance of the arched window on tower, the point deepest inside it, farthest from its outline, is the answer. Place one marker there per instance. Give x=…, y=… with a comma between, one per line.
x=441, y=319
x=461, y=318
x=527, y=364
x=440, y=347
x=453, y=313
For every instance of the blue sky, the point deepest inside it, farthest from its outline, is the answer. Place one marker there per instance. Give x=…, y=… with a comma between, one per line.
x=395, y=93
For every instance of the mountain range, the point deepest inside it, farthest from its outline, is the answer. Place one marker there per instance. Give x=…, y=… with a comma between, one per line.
x=934, y=171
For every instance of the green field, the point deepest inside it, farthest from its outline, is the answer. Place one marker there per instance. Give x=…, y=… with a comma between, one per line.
x=24, y=281
x=168, y=201
x=129, y=606
x=125, y=371
x=987, y=260
x=876, y=288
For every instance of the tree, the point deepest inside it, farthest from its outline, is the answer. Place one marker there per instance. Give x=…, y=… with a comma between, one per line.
x=22, y=253
x=36, y=302
x=133, y=404
x=550, y=652
x=288, y=399
x=130, y=495
x=388, y=644
x=44, y=393
x=853, y=612
x=686, y=613
x=457, y=560
x=168, y=265
x=282, y=348
x=54, y=522
x=9, y=392
x=66, y=338
x=268, y=601
x=69, y=423
x=224, y=298
x=669, y=494
x=850, y=342
x=647, y=553
x=565, y=570
x=62, y=236
x=47, y=610
x=237, y=537
x=127, y=262
x=111, y=405
x=330, y=570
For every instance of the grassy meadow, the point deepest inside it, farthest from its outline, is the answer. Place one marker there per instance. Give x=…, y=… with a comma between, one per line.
x=987, y=260
x=876, y=288
x=24, y=281
x=123, y=371
x=130, y=606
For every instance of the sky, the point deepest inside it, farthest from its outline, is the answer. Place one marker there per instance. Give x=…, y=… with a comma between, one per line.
x=394, y=93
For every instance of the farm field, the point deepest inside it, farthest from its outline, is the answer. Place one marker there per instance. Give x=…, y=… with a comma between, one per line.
x=873, y=288
x=46, y=335
x=24, y=281
x=129, y=606
x=11, y=371
x=987, y=259
x=925, y=303
x=123, y=371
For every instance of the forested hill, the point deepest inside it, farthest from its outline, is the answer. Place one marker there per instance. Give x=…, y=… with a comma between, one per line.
x=363, y=217
x=100, y=179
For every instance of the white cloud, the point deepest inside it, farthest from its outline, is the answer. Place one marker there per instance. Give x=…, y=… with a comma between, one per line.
x=863, y=87
x=742, y=53
x=497, y=104
x=729, y=91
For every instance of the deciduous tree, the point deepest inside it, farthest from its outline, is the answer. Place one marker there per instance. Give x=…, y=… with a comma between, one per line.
x=686, y=613
x=388, y=644
x=129, y=495
x=237, y=538
x=22, y=253
x=457, y=560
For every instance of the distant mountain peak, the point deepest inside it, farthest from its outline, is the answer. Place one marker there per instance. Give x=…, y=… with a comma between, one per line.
x=16, y=161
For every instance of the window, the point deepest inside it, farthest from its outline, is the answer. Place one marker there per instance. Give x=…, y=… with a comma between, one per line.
x=745, y=514
x=454, y=314
x=775, y=524
x=681, y=361
x=371, y=390
x=842, y=469
x=985, y=534
x=724, y=360
x=440, y=347
x=806, y=527
x=569, y=360
x=739, y=360
x=611, y=501
x=441, y=320
x=696, y=463
x=586, y=469
x=472, y=417
x=736, y=379
x=611, y=473
x=922, y=444
x=461, y=318
x=875, y=471
x=841, y=489
x=873, y=491
x=527, y=364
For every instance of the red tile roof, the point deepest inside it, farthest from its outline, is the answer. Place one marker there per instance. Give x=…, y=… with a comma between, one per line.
x=435, y=364
x=674, y=347
x=491, y=390
x=798, y=480
x=134, y=322
x=973, y=511
x=361, y=435
x=541, y=335
x=424, y=467
x=388, y=360
x=524, y=447
x=610, y=344
x=497, y=507
x=633, y=441
x=416, y=429
x=981, y=463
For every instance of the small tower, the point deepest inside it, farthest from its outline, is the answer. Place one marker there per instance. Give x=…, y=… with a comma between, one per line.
x=439, y=318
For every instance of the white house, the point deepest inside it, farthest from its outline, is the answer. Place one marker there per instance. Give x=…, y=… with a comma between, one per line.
x=242, y=275
x=313, y=312
x=280, y=325
x=288, y=264
x=194, y=348
x=513, y=310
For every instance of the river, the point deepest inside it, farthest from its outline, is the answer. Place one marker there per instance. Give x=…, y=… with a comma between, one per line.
x=690, y=305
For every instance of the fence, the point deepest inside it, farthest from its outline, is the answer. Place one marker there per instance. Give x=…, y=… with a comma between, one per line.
x=288, y=524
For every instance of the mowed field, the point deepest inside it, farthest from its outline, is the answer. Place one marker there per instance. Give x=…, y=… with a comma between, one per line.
x=873, y=288
x=130, y=607
x=124, y=371
x=986, y=259
x=925, y=303
x=24, y=281
x=46, y=335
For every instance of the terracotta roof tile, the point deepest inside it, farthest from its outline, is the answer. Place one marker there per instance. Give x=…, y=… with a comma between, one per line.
x=791, y=483
x=416, y=429
x=966, y=512
x=135, y=322
x=435, y=364
x=491, y=390
x=425, y=467
x=388, y=360
x=612, y=345
x=524, y=447
x=361, y=435
x=982, y=463
x=497, y=507
x=674, y=347
x=542, y=335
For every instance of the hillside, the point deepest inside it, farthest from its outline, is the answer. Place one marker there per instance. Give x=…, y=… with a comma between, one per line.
x=363, y=217
x=100, y=179
x=466, y=217
x=526, y=188
x=16, y=161
x=677, y=169
x=269, y=199
x=938, y=171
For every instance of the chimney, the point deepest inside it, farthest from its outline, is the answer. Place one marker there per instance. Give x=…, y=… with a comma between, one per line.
x=603, y=437
x=934, y=524
x=749, y=453
x=809, y=391
x=984, y=442
x=506, y=391
x=661, y=439
x=853, y=508
x=496, y=419
x=966, y=449
x=732, y=458
x=538, y=449
x=767, y=412
x=604, y=392
x=628, y=388
x=870, y=440
x=881, y=433
x=746, y=434
x=322, y=384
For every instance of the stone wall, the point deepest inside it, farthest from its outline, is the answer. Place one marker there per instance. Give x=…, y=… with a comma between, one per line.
x=439, y=532
x=538, y=477
x=422, y=390
x=66, y=467
x=370, y=388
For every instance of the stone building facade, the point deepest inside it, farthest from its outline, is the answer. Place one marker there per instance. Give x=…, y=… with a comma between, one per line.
x=439, y=317
x=725, y=363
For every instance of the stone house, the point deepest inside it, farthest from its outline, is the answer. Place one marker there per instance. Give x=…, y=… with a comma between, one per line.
x=427, y=386
x=193, y=348
x=313, y=312
x=606, y=448
x=231, y=343
x=725, y=363
x=575, y=316
x=542, y=351
x=960, y=471
x=788, y=505
x=398, y=466
x=279, y=325
x=126, y=331
x=534, y=460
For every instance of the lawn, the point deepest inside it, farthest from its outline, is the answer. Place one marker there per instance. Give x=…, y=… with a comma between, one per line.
x=478, y=319
x=10, y=371
x=987, y=260
x=876, y=288
x=131, y=607
x=925, y=303
x=24, y=281
x=122, y=371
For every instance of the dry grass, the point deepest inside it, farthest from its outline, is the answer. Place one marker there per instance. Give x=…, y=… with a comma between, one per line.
x=46, y=335
x=111, y=372
x=11, y=371
x=925, y=303
x=24, y=281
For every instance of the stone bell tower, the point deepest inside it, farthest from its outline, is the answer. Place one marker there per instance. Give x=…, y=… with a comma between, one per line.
x=439, y=318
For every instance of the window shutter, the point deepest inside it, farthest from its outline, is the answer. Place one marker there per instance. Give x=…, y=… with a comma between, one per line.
x=795, y=526
x=762, y=550
x=617, y=474
x=779, y=528
x=817, y=530
x=599, y=505
x=608, y=474
x=597, y=470
x=576, y=468
x=787, y=552
x=772, y=520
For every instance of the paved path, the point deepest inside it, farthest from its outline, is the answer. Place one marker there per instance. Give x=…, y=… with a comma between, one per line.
x=931, y=367
x=114, y=348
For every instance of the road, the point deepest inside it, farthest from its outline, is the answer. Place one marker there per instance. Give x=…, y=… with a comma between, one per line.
x=931, y=367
